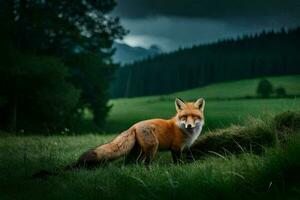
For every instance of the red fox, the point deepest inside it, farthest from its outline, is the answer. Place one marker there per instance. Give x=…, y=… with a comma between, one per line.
x=149, y=136
x=145, y=138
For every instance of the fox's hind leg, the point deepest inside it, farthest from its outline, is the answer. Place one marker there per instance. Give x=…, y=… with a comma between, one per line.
x=148, y=143
x=150, y=154
x=147, y=155
x=135, y=155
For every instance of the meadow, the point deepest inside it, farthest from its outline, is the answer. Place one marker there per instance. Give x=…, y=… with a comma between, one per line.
x=270, y=175
x=226, y=103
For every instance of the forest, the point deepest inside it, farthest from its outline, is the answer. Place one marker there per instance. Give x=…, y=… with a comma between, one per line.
x=268, y=53
x=55, y=61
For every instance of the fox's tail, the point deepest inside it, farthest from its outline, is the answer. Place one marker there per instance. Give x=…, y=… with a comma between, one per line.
x=119, y=146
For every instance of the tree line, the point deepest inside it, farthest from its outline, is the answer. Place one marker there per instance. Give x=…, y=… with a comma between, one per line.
x=264, y=54
x=55, y=62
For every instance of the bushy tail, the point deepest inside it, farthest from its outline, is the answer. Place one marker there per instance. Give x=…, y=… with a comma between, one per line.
x=119, y=146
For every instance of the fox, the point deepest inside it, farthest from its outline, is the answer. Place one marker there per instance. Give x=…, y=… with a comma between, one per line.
x=144, y=139
x=150, y=136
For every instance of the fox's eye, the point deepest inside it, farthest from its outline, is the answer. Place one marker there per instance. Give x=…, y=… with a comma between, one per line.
x=183, y=118
x=197, y=118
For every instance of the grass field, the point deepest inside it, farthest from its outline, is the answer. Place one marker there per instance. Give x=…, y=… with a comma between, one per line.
x=273, y=175
x=126, y=112
x=242, y=88
x=218, y=114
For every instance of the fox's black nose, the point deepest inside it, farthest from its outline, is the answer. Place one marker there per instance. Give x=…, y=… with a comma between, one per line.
x=189, y=126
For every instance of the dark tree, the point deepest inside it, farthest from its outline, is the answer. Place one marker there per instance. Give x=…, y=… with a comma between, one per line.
x=266, y=54
x=264, y=88
x=60, y=27
x=280, y=91
x=37, y=94
x=44, y=36
x=93, y=78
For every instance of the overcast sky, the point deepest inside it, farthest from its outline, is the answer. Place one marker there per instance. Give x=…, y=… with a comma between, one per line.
x=174, y=23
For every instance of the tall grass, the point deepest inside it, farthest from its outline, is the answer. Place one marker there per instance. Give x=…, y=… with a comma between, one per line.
x=254, y=138
x=273, y=174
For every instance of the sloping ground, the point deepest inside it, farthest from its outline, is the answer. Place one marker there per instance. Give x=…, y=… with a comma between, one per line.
x=218, y=114
x=127, y=111
x=271, y=175
x=230, y=89
x=243, y=88
x=252, y=138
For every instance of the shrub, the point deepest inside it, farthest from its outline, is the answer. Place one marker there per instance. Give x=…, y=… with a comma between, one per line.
x=280, y=91
x=264, y=88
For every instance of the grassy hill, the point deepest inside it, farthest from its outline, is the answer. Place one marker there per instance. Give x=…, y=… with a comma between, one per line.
x=272, y=174
x=127, y=111
x=242, y=88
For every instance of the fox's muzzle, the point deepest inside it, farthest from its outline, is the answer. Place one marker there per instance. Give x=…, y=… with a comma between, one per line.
x=189, y=126
x=190, y=123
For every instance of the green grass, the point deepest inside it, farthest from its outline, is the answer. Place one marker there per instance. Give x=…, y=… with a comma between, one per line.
x=218, y=114
x=253, y=137
x=268, y=175
x=127, y=111
x=273, y=175
x=242, y=88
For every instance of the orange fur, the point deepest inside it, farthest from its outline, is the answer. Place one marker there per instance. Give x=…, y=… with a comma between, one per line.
x=175, y=134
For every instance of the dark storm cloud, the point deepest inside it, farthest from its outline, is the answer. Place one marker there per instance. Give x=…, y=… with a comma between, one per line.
x=172, y=32
x=174, y=23
x=207, y=8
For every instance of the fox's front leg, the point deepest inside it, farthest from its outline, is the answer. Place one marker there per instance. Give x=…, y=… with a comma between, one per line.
x=176, y=155
x=189, y=155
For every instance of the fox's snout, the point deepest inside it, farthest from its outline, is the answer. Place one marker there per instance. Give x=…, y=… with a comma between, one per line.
x=189, y=125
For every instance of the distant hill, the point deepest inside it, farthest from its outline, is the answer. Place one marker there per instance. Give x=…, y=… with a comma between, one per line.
x=240, y=88
x=128, y=111
x=126, y=54
x=264, y=54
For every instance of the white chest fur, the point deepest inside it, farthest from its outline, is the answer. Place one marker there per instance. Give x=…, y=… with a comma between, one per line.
x=192, y=137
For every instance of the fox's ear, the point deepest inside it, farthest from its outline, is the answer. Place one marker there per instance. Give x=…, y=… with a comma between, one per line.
x=179, y=104
x=200, y=103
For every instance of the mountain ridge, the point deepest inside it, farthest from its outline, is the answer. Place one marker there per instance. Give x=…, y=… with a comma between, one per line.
x=126, y=54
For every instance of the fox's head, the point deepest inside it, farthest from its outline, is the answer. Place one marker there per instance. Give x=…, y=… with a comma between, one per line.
x=190, y=115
